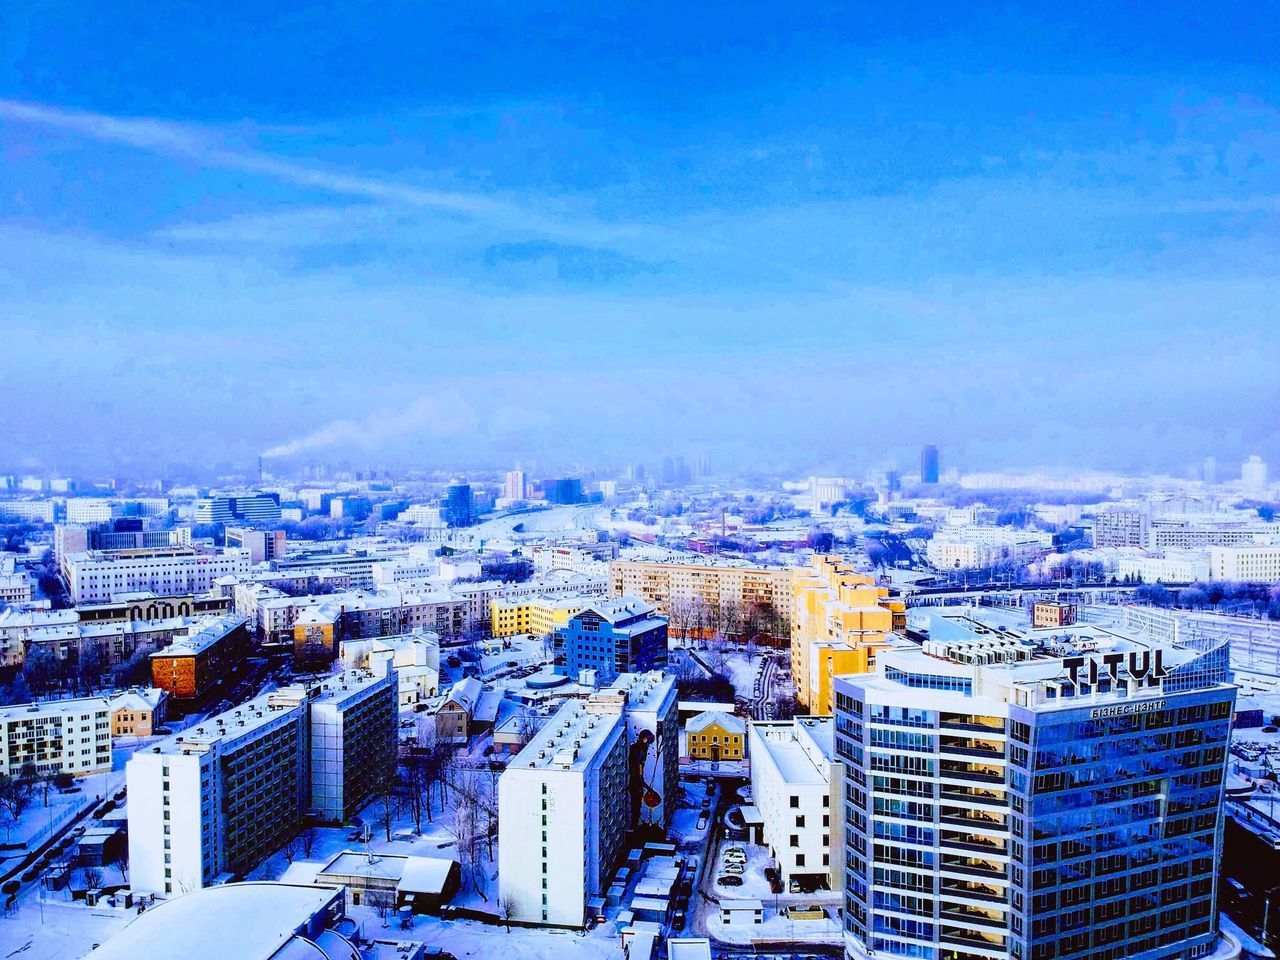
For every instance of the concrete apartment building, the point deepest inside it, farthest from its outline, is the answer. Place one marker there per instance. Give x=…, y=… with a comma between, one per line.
x=840, y=619
x=97, y=576
x=263, y=545
x=713, y=585
x=612, y=637
x=649, y=703
x=1034, y=794
x=190, y=667
x=216, y=799
x=562, y=815
x=352, y=728
x=796, y=781
x=56, y=736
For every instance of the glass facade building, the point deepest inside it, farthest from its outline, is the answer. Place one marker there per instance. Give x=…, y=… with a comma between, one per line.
x=1033, y=794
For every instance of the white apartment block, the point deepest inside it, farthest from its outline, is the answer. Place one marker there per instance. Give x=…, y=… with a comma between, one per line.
x=562, y=814
x=652, y=719
x=414, y=657
x=795, y=780
x=978, y=546
x=1172, y=566
x=352, y=728
x=1256, y=563
x=217, y=798
x=57, y=736
x=214, y=800
x=96, y=576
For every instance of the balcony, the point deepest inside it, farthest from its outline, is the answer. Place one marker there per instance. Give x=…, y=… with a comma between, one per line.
x=963, y=721
x=974, y=772
x=973, y=795
x=973, y=842
x=970, y=748
x=974, y=891
x=977, y=819
x=978, y=918
x=967, y=938
x=971, y=867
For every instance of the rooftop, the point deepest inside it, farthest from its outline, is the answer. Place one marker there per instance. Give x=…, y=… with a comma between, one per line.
x=26, y=711
x=247, y=921
x=210, y=633
x=569, y=740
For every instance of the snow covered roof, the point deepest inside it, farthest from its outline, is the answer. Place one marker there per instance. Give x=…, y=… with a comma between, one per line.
x=465, y=693
x=688, y=948
x=425, y=875
x=725, y=721
x=248, y=921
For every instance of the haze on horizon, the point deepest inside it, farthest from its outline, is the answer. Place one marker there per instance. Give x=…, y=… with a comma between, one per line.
x=812, y=236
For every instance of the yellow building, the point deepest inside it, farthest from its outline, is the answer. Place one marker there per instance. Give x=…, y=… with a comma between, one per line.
x=537, y=616
x=840, y=620
x=715, y=735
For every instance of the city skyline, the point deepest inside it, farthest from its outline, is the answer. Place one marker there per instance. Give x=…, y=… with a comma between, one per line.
x=505, y=234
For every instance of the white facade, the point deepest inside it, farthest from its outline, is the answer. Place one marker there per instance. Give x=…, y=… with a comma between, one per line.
x=215, y=798
x=219, y=797
x=58, y=736
x=95, y=576
x=1173, y=566
x=91, y=510
x=1259, y=564
x=1253, y=474
x=561, y=813
x=38, y=511
x=792, y=783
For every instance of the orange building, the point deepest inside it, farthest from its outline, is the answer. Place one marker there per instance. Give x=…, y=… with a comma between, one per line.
x=191, y=666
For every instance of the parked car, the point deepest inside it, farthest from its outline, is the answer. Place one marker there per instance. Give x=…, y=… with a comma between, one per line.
x=734, y=868
x=735, y=858
x=794, y=886
x=677, y=921
x=775, y=879
x=702, y=822
x=730, y=881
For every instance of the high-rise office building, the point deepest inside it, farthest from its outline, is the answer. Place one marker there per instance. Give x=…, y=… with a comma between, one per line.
x=929, y=464
x=1034, y=794
x=458, y=509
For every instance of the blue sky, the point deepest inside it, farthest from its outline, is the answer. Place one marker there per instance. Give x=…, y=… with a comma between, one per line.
x=480, y=232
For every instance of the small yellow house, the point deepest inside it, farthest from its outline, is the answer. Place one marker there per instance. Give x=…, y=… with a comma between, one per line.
x=715, y=735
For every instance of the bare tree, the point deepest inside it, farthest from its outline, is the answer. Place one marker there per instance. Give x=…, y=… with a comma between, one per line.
x=92, y=877
x=308, y=838
x=528, y=724
x=388, y=801
x=508, y=908
x=382, y=901
x=118, y=857
x=292, y=847
x=414, y=776
x=14, y=794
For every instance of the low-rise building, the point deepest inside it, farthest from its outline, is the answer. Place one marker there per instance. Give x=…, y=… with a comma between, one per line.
x=796, y=783
x=190, y=667
x=1053, y=613
x=138, y=712
x=715, y=736
x=454, y=713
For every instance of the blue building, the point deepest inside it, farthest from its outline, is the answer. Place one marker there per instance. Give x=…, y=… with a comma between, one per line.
x=929, y=466
x=612, y=637
x=565, y=490
x=458, y=509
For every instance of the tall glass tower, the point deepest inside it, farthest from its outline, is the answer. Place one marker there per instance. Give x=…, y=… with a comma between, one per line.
x=1036, y=794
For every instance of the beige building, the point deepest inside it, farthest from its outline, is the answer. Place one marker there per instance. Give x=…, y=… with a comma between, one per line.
x=701, y=598
x=1258, y=564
